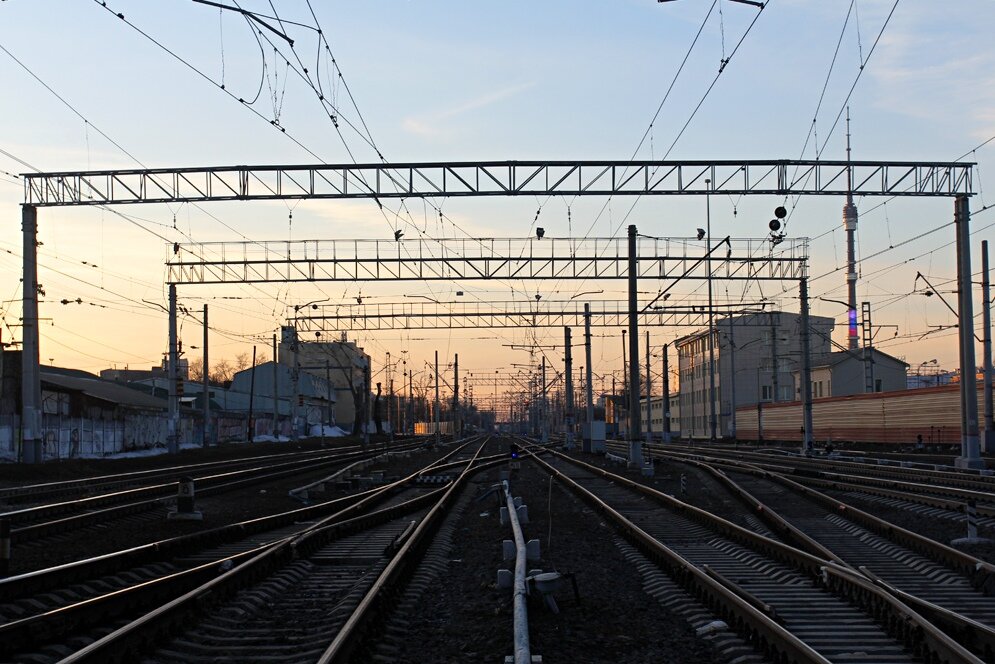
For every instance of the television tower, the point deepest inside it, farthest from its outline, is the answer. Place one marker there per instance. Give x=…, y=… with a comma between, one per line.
x=850, y=226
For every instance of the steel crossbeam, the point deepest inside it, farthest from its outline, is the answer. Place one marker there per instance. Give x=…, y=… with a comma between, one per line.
x=492, y=315
x=460, y=259
x=781, y=177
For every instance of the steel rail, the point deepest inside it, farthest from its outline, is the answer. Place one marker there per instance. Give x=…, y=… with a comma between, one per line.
x=373, y=605
x=948, y=504
x=978, y=637
x=953, y=479
x=124, y=643
x=983, y=494
x=30, y=514
x=981, y=573
x=27, y=492
x=845, y=582
x=758, y=628
x=166, y=496
x=46, y=579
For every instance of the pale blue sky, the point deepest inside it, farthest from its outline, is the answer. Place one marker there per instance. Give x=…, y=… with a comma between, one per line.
x=467, y=81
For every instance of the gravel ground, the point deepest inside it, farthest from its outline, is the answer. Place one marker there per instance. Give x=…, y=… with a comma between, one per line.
x=466, y=618
x=218, y=510
x=703, y=490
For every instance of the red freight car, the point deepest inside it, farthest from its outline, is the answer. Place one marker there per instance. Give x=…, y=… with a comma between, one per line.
x=884, y=417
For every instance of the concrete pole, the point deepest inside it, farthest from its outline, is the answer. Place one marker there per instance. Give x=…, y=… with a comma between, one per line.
x=31, y=434
x=732, y=380
x=437, y=441
x=970, y=452
x=172, y=443
x=806, y=373
x=207, y=387
x=457, y=423
x=568, y=362
x=649, y=392
x=276, y=393
x=635, y=425
x=988, y=442
x=589, y=433
x=666, y=394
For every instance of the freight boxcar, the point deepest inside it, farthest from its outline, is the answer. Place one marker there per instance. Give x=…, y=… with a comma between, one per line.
x=898, y=417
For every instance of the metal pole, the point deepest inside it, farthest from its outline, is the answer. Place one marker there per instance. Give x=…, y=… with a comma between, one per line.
x=328, y=399
x=543, y=408
x=774, y=331
x=252, y=393
x=988, y=442
x=711, y=320
x=366, y=403
x=391, y=423
x=276, y=393
x=806, y=374
x=457, y=428
x=625, y=382
x=635, y=425
x=589, y=433
x=970, y=453
x=31, y=434
x=568, y=367
x=436, y=397
x=649, y=392
x=732, y=380
x=411, y=403
x=296, y=379
x=172, y=443
x=666, y=394
x=207, y=387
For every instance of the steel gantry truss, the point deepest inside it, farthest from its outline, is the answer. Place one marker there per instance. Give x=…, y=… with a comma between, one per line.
x=510, y=314
x=215, y=264
x=779, y=177
x=747, y=259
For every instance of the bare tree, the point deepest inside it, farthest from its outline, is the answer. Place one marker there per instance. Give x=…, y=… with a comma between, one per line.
x=222, y=372
x=242, y=361
x=196, y=370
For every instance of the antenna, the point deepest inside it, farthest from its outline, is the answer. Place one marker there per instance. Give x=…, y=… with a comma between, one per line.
x=849, y=170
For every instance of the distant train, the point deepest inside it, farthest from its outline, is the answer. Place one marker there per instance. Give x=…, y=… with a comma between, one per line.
x=898, y=417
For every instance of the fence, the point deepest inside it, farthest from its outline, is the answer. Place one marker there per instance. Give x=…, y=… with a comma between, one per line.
x=65, y=437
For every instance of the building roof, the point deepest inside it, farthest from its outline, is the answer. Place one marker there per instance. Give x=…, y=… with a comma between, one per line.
x=97, y=388
x=832, y=359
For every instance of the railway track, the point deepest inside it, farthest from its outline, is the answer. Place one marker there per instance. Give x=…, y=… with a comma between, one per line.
x=877, y=492
x=31, y=523
x=50, y=613
x=810, y=608
x=82, y=487
x=315, y=596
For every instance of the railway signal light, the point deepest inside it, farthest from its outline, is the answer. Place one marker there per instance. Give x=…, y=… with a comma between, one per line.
x=514, y=450
x=300, y=399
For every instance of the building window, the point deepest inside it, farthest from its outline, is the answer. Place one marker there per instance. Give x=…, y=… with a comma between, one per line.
x=766, y=393
x=877, y=384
